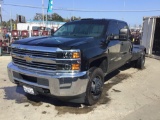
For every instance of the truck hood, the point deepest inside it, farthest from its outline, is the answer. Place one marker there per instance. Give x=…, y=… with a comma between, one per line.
x=61, y=42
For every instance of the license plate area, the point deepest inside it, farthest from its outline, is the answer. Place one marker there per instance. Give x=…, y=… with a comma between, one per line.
x=29, y=90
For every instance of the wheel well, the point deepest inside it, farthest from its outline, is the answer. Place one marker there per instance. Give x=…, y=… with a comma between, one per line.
x=101, y=63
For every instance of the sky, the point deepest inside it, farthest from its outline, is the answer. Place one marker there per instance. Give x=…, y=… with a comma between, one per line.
x=133, y=18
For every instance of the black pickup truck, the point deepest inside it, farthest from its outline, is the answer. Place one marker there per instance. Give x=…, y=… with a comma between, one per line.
x=71, y=64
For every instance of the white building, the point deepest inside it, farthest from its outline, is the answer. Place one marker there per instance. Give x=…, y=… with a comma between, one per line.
x=30, y=24
x=34, y=25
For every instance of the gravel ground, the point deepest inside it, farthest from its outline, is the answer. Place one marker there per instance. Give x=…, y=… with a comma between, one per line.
x=129, y=94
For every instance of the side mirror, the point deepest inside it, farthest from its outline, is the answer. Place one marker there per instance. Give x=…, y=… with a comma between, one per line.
x=123, y=34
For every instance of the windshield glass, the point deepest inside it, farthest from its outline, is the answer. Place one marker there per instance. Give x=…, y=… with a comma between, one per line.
x=81, y=29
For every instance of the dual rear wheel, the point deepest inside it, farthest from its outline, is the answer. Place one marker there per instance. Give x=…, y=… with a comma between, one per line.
x=141, y=61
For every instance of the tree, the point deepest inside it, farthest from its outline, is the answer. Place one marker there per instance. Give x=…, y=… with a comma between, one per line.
x=67, y=20
x=9, y=23
x=4, y=23
x=49, y=18
x=38, y=16
x=52, y=17
x=56, y=17
x=75, y=18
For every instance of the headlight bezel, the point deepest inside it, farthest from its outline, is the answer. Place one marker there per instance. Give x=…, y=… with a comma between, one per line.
x=69, y=54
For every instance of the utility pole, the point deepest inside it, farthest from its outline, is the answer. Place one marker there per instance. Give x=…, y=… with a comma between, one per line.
x=47, y=19
x=43, y=11
x=11, y=19
x=1, y=31
x=1, y=15
x=73, y=9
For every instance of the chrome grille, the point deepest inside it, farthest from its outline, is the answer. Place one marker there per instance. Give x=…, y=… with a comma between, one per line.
x=34, y=53
x=33, y=64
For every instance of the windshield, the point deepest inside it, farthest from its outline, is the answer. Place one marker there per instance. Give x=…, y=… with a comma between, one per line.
x=81, y=29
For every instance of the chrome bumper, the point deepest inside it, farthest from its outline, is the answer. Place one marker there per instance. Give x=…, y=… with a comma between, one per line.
x=60, y=84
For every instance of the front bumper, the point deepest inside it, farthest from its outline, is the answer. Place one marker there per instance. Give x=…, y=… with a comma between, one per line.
x=59, y=84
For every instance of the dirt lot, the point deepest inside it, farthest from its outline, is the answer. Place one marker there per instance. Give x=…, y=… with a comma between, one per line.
x=129, y=94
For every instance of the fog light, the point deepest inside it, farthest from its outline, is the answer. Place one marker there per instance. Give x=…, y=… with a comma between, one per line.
x=75, y=66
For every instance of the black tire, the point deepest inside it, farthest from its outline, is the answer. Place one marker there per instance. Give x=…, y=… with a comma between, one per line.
x=95, y=86
x=29, y=96
x=141, y=61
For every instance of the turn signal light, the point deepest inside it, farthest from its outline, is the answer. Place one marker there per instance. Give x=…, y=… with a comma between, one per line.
x=75, y=66
x=76, y=55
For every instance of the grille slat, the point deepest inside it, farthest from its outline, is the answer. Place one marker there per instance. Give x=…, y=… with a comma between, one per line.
x=46, y=66
x=34, y=53
x=35, y=63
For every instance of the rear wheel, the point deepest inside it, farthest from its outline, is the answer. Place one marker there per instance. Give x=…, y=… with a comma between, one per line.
x=95, y=86
x=140, y=62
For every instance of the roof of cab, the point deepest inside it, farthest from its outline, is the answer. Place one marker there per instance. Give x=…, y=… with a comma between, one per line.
x=103, y=19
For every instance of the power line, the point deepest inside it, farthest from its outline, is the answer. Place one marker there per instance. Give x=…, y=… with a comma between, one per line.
x=29, y=6
x=83, y=10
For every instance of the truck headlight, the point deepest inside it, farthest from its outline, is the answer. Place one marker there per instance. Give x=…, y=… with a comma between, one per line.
x=76, y=55
x=68, y=55
x=71, y=55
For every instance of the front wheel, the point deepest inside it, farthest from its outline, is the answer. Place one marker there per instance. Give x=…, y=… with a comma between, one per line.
x=95, y=86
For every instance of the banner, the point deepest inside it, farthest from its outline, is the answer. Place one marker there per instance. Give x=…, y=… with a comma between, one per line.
x=50, y=6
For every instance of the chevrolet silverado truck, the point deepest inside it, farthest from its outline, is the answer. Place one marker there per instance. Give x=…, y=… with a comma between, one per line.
x=71, y=64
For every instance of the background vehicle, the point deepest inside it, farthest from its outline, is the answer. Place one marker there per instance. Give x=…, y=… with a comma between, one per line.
x=72, y=63
x=151, y=36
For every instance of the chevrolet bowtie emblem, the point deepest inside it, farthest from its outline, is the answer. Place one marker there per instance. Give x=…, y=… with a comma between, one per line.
x=28, y=59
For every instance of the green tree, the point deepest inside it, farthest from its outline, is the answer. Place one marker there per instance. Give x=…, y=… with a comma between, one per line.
x=56, y=17
x=52, y=17
x=4, y=23
x=9, y=23
x=67, y=20
x=49, y=18
x=75, y=18
x=38, y=16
